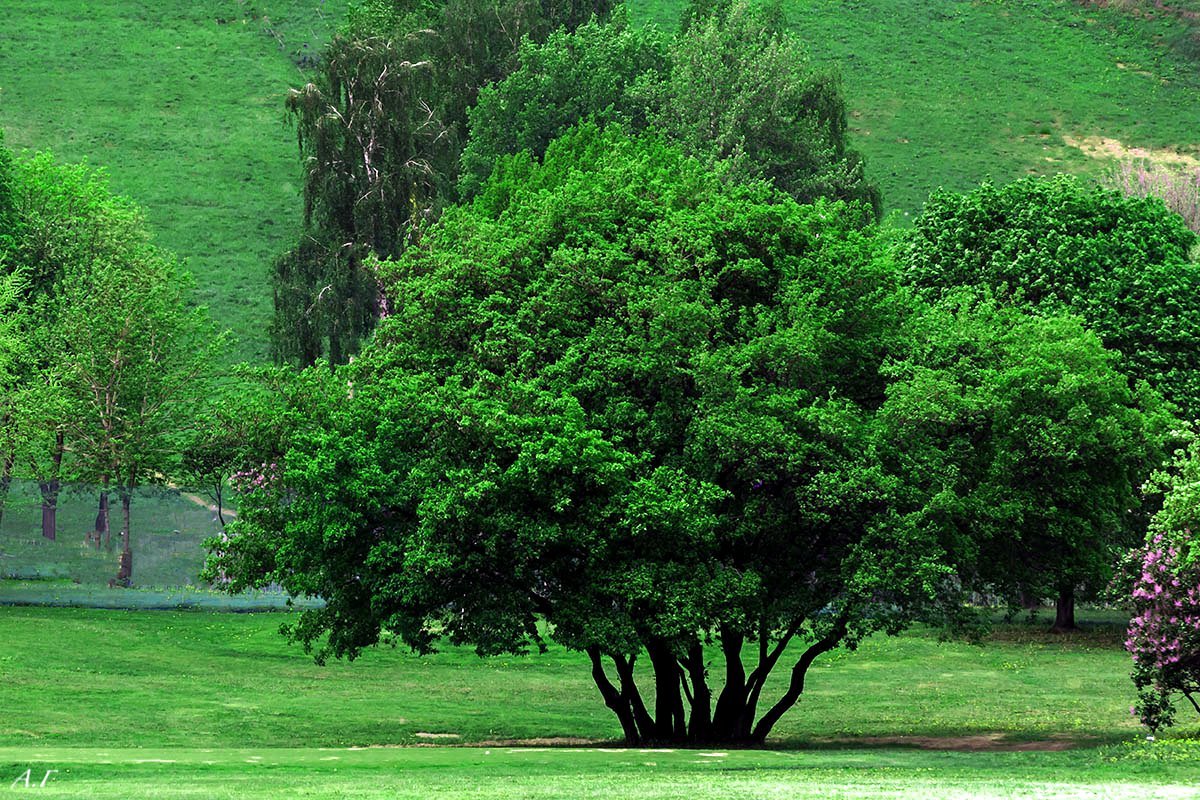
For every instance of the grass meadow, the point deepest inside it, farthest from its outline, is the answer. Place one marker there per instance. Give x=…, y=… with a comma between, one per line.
x=167, y=704
x=181, y=101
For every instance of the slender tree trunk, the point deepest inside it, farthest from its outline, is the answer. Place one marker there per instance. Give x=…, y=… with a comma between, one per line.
x=700, y=725
x=1064, y=611
x=125, y=563
x=49, y=491
x=796, y=685
x=629, y=691
x=103, y=534
x=613, y=698
x=6, y=468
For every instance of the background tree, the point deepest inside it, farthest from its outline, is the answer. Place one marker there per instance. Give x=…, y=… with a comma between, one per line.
x=380, y=133
x=112, y=356
x=135, y=361
x=1120, y=263
x=67, y=220
x=734, y=86
x=629, y=399
x=1055, y=245
x=1039, y=446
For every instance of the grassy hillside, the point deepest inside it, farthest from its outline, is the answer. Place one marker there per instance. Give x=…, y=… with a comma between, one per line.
x=181, y=101
x=947, y=93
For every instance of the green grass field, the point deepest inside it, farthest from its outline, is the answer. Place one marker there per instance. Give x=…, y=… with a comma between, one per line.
x=195, y=704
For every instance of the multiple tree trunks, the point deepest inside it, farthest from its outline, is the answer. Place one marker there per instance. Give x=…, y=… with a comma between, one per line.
x=683, y=700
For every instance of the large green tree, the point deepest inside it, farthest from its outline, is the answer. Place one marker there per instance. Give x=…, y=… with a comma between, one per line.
x=66, y=220
x=629, y=399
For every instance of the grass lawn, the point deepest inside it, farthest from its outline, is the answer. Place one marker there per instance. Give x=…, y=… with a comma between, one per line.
x=197, y=704
x=1120, y=772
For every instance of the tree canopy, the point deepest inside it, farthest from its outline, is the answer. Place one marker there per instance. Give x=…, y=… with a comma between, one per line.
x=734, y=87
x=380, y=130
x=1030, y=442
x=628, y=398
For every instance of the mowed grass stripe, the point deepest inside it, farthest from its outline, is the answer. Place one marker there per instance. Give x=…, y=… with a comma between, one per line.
x=540, y=773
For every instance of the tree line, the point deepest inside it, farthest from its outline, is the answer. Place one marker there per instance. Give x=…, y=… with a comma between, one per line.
x=104, y=363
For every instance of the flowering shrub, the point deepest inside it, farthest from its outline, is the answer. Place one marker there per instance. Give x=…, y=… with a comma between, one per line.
x=255, y=478
x=1164, y=633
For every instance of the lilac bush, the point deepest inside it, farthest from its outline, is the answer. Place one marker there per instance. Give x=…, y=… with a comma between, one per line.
x=1164, y=633
x=1164, y=593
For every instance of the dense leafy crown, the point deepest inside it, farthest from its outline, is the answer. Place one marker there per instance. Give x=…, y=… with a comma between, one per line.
x=1054, y=243
x=614, y=390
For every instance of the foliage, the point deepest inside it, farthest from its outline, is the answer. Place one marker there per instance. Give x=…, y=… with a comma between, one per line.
x=1030, y=441
x=113, y=357
x=733, y=87
x=380, y=130
x=625, y=397
x=1120, y=263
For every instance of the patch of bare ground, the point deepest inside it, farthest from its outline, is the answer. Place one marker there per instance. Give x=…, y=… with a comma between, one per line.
x=980, y=742
x=1108, y=148
x=549, y=741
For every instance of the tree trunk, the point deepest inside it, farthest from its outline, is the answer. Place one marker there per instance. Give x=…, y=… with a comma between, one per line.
x=1064, y=611
x=613, y=698
x=50, y=489
x=49, y=508
x=125, y=564
x=732, y=701
x=669, y=722
x=103, y=534
x=796, y=686
x=6, y=469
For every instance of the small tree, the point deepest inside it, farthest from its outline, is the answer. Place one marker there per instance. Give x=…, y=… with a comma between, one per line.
x=1030, y=441
x=134, y=364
